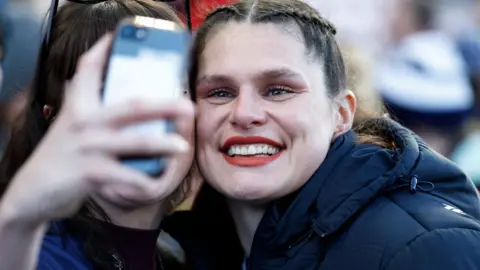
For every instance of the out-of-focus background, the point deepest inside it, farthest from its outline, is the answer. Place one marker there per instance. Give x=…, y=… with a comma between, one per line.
x=421, y=58
x=418, y=58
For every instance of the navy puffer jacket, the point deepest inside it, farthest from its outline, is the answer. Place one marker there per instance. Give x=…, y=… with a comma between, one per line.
x=365, y=208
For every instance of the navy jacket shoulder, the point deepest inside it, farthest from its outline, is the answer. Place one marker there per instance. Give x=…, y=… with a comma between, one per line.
x=365, y=207
x=61, y=251
x=427, y=219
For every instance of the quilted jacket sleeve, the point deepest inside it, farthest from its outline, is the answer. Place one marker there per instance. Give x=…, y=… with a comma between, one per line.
x=443, y=249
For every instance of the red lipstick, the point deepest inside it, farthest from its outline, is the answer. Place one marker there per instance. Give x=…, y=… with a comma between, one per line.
x=251, y=161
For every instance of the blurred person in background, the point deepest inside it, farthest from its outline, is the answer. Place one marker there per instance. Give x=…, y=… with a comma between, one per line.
x=468, y=40
x=25, y=28
x=424, y=81
x=25, y=36
x=67, y=201
x=467, y=153
x=368, y=31
x=467, y=156
x=23, y=21
x=294, y=180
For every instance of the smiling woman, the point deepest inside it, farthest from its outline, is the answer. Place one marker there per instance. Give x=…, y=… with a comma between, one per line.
x=293, y=179
x=270, y=93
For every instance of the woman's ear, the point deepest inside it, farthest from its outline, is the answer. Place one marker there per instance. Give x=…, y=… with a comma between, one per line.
x=346, y=107
x=47, y=112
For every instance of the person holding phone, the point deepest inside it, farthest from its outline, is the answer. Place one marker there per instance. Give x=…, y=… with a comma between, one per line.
x=294, y=181
x=68, y=202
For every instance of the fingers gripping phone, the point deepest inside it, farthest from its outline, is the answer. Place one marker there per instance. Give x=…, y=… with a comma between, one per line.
x=147, y=61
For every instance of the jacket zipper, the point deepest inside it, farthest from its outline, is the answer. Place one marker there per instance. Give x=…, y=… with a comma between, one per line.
x=303, y=237
x=118, y=262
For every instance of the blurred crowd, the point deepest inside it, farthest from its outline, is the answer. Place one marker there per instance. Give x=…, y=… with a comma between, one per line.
x=421, y=60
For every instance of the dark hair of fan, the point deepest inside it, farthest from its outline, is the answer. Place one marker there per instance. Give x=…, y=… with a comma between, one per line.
x=54, y=6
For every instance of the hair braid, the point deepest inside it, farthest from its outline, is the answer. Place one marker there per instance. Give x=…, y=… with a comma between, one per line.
x=297, y=10
x=314, y=18
x=224, y=10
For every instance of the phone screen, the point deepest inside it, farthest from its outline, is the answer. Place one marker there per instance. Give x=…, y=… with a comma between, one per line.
x=149, y=64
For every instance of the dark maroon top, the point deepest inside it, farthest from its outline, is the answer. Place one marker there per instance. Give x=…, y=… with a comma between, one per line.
x=137, y=248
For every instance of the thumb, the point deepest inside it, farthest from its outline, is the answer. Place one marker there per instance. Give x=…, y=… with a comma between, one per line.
x=84, y=88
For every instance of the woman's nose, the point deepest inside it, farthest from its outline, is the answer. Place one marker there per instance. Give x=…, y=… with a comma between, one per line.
x=247, y=111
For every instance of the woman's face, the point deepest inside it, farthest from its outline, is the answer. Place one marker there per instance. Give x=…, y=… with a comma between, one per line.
x=265, y=121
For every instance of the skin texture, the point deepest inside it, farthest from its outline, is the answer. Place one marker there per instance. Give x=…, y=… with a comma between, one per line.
x=263, y=83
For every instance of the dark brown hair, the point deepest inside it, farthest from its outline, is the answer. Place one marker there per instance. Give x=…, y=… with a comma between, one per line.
x=76, y=27
x=319, y=38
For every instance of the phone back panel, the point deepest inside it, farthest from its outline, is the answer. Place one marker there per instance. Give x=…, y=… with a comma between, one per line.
x=146, y=63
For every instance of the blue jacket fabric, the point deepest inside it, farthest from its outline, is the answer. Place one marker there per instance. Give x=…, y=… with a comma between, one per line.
x=366, y=207
x=61, y=251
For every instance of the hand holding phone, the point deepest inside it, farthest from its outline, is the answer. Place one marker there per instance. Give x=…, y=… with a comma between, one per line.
x=147, y=62
x=82, y=145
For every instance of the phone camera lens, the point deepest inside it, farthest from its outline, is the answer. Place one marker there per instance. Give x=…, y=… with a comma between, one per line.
x=134, y=33
x=140, y=34
x=128, y=32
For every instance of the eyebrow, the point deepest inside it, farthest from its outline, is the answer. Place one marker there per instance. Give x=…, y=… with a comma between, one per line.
x=269, y=74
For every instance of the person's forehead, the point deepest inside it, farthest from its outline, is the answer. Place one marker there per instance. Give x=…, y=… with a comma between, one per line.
x=247, y=45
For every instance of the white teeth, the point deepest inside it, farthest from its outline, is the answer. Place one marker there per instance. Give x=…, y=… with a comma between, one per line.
x=252, y=149
x=265, y=148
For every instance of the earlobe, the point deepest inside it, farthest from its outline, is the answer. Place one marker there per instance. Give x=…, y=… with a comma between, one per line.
x=47, y=111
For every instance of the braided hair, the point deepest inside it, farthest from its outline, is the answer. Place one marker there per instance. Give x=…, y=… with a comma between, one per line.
x=318, y=33
x=320, y=43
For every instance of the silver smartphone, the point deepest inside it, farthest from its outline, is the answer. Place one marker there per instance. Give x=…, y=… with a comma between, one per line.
x=147, y=61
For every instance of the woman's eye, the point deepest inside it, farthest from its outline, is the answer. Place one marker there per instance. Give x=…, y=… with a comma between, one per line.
x=220, y=93
x=277, y=91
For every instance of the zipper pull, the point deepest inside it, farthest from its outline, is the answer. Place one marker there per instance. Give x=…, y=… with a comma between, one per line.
x=118, y=262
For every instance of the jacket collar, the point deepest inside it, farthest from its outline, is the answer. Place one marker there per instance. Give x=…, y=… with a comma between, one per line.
x=349, y=178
